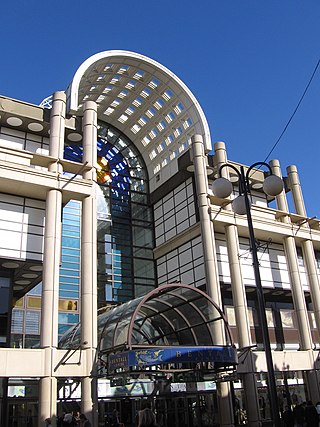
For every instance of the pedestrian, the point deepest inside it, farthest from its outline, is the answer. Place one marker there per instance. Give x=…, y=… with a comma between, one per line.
x=318, y=408
x=287, y=417
x=68, y=420
x=147, y=418
x=298, y=415
x=29, y=419
x=60, y=420
x=76, y=418
x=84, y=422
x=311, y=415
x=115, y=418
x=48, y=422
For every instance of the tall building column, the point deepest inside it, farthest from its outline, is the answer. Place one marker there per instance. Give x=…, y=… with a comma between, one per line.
x=51, y=263
x=89, y=329
x=210, y=263
x=311, y=268
x=305, y=340
x=240, y=305
x=307, y=246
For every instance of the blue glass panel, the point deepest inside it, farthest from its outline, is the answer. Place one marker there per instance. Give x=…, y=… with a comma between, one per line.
x=69, y=258
x=67, y=294
x=128, y=172
x=36, y=290
x=70, y=273
x=70, y=242
x=72, y=266
x=73, y=234
x=69, y=287
x=74, y=222
x=63, y=328
x=68, y=318
x=71, y=251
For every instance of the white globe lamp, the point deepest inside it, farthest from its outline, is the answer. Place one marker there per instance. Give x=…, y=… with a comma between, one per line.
x=239, y=205
x=222, y=187
x=272, y=185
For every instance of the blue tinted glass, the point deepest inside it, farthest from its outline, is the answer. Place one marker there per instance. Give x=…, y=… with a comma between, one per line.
x=70, y=228
x=73, y=266
x=69, y=272
x=69, y=233
x=68, y=318
x=63, y=328
x=72, y=259
x=70, y=242
x=66, y=294
x=70, y=251
x=36, y=290
x=74, y=204
x=73, y=280
x=69, y=287
x=73, y=221
x=129, y=182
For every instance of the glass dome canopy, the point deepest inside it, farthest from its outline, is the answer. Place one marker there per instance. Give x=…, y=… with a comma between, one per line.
x=169, y=316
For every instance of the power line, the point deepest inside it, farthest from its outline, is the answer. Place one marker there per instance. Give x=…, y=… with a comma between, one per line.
x=294, y=112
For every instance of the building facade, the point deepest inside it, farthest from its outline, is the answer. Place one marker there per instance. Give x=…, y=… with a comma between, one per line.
x=106, y=194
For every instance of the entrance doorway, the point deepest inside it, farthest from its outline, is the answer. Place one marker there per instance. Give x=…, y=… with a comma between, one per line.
x=198, y=410
x=22, y=413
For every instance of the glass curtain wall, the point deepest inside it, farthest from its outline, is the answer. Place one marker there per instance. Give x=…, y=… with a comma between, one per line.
x=125, y=239
x=124, y=218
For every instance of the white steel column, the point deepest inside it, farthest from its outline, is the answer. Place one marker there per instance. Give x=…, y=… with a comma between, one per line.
x=240, y=303
x=295, y=187
x=51, y=263
x=289, y=244
x=307, y=246
x=89, y=328
x=210, y=262
x=293, y=267
x=311, y=267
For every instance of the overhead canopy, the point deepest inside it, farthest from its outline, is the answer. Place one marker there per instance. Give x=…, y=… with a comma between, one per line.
x=172, y=316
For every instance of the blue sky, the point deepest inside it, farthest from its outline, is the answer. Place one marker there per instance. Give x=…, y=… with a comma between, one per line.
x=246, y=61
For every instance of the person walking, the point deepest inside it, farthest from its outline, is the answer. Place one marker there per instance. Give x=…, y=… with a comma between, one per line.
x=311, y=415
x=147, y=418
x=287, y=417
x=84, y=422
x=298, y=415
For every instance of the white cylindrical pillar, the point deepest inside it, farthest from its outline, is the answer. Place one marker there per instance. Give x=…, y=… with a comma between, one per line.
x=51, y=264
x=89, y=327
x=207, y=232
x=313, y=278
x=239, y=303
x=281, y=199
x=210, y=263
x=57, y=130
x=311, y=268
x=299, y=302
x=295, y=187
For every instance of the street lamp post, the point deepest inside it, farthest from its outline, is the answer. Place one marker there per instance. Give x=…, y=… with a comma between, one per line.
x=272, y=186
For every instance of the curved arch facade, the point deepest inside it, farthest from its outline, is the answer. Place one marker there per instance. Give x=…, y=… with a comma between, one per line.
x=146, y=102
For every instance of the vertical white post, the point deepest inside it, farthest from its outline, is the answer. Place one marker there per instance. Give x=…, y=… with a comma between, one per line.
x=89, y=266
x=312, y=273
x=240, y=303
x=210, y=263
x=293, y=267
x=51, y=263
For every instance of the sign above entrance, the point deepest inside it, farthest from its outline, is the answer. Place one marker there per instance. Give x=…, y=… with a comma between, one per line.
x=220, y=355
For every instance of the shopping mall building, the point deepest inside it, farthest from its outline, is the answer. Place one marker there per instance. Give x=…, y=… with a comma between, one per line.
x=110, y=227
